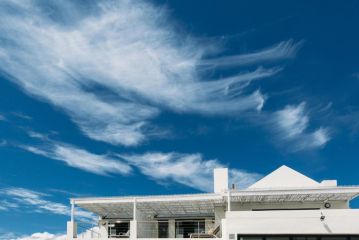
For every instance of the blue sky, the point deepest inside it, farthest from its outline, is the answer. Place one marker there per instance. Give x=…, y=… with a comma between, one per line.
x=101, y=98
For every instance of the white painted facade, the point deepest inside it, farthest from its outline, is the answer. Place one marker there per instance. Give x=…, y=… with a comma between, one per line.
x=285, y=204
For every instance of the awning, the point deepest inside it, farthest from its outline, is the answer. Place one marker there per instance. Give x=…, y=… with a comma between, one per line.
x=195, y=205
x=202, y=205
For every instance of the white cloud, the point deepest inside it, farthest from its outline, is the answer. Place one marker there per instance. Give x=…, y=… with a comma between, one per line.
x=157, y=165
x=7, y=235
x=43, y=236
x=37, y=135
x=280, y=51
x=243, y=179
x=22, y=198
x=6, y=205
x=22, y=115
x=131, y=54
x=291, y=124
x=80, y=158
x=88, y=234
x=292, y=120
x=187, y=169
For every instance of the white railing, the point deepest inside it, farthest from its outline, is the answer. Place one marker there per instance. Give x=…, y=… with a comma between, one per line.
x=88, y=231
x=151, y=229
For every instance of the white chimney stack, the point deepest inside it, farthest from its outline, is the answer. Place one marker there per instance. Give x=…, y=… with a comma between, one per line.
x=220, y=181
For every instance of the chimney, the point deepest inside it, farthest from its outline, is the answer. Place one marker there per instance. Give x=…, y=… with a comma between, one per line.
x=220, y=181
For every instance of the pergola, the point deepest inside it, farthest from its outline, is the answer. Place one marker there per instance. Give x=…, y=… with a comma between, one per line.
x=203, y=205
x=194, y=205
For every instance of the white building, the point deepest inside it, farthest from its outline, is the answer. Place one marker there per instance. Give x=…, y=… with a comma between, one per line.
x=284, y=205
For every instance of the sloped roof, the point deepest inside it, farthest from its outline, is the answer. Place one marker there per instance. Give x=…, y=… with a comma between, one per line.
x=284, y=177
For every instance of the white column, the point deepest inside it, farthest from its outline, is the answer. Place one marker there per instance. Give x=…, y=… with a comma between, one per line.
x=134, y=209
x=133, y=223
x=171, y=228
x=133, y=229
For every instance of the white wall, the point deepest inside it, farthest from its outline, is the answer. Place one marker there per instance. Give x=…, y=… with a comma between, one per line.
x=337, y=221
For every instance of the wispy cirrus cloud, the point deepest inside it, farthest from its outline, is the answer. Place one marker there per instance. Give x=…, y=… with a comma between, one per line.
x=80, y=158
x=33, y=201
x=291, y=125
x=22, y=115
x=115, y=68
x=171, y=167
x=6, y=205
x=281, y=51
x=187, y=169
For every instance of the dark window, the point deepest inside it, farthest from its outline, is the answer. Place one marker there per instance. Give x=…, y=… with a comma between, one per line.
x=119, y=229
x=163, y=229
x=278, y=238
x=304, y=238
x=334, y=238
x=250, y=238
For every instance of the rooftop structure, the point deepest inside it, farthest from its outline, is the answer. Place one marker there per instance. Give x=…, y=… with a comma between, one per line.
x=284, y=203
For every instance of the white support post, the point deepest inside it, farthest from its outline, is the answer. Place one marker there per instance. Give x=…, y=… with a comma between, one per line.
x=133, y=223
x=171, y=228
x=72, y=226
x=134, y=210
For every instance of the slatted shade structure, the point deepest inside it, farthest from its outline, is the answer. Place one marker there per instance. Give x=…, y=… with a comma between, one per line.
x=202, y=205
x=195, y=205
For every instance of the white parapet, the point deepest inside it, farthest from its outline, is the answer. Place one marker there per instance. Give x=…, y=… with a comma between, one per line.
x=333, y=221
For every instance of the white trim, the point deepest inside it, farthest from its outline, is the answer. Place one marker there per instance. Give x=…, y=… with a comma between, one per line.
x=148, y=199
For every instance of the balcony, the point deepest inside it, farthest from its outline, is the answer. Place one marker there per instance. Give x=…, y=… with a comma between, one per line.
x=153, y=229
